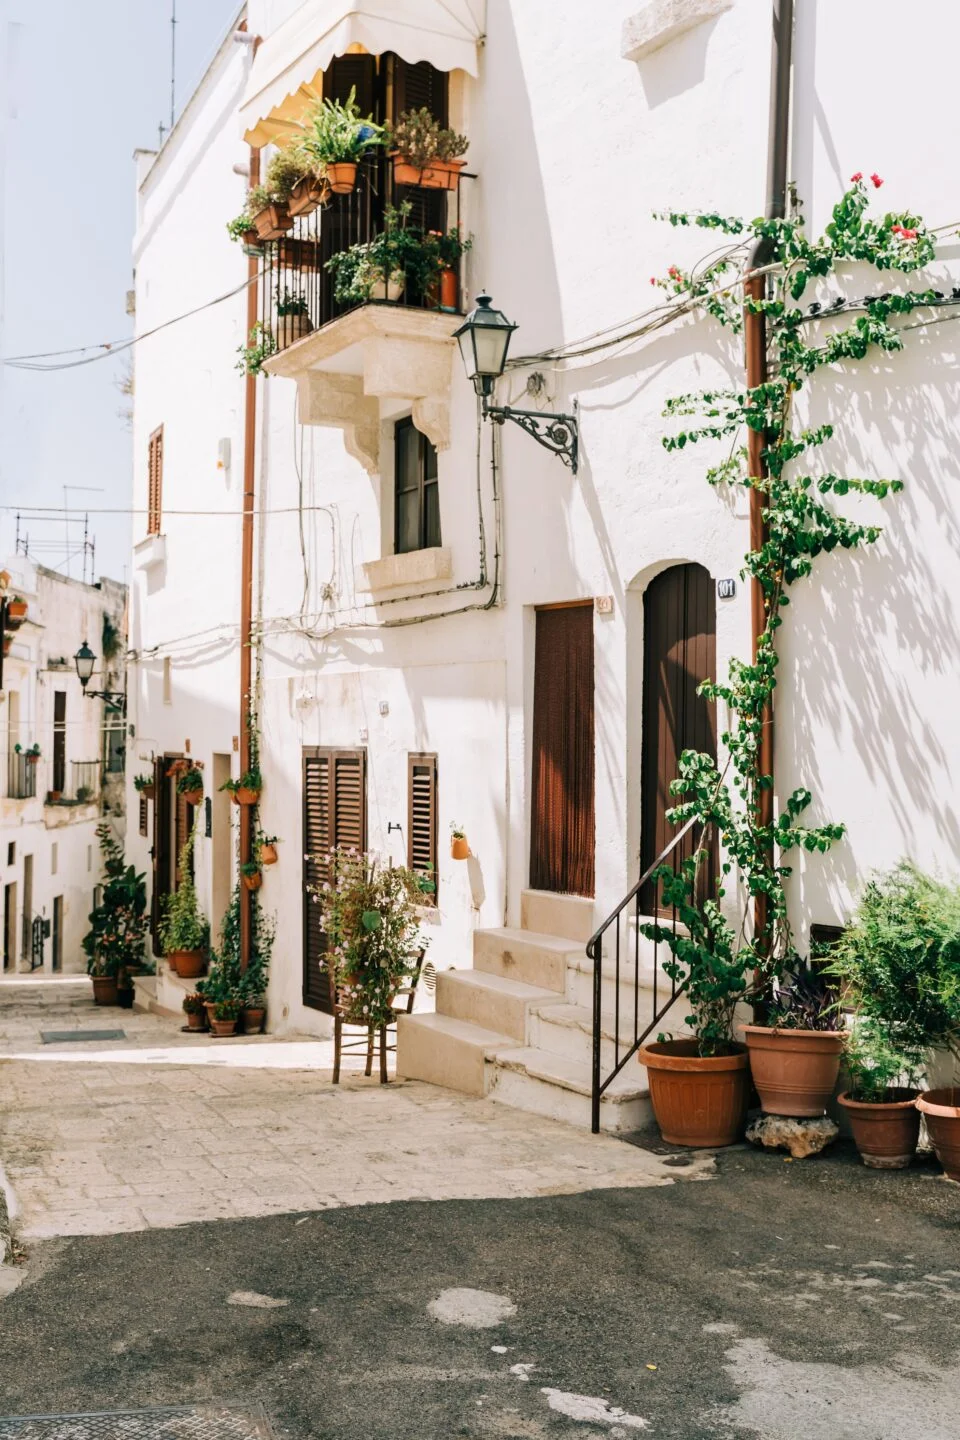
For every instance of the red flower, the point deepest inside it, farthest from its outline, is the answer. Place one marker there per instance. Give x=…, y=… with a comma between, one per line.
x=855, y=178
x=897, y=229
x=653, y=279
x=876, y=181
x=908, y=234
x=674, y=273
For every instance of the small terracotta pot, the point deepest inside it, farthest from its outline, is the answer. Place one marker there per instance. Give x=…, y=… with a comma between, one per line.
x=272, y=222
x=53, y=796
x=250, y=238
x=253, y=1018
x=795, y=1071
x=196, y=1022
x=222, y=1027
x=697, y=1100
x=192, y=797
x=459, y=849
x=188, y=964
x=7, y=642
x=448, y=289
x=886, y=1131
x=268, y=854
x=104, y=989
x=32, y=759
x=941, y=1110
x=307, y=194
x=243, y=796
x=252, y=882
x=147, y=793
x=341, y=176
x=16, y=610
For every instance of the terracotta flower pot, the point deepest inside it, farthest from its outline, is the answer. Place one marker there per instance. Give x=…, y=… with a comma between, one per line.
x=341, y=176
x=268, y=854
x=697, y=1100
x=192, y=797
x=148, y=792
x=253, y=1017
x=196, y=1022
x=7, y=642
x=886, y=1132
x=209, y=1006
x=448, y=289
x=104, y=989
x=54, y=796
x=222, y=1027
x=243, y=796
x=172, y=962
x=941, y=1110
x=272, y=222
x=795, y=1071
x=16, y=610
x=308, y=194
x=252, y=882
x=438, y=175
x=459, y=848
x=188, y=964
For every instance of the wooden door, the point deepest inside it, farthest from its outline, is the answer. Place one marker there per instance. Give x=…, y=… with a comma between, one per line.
x=163, y=838
x=679, y=651
x=562, y=839
x=57, y=961
x=334, y=813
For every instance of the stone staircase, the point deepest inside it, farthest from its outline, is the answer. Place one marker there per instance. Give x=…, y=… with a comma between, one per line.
x=518, y=1026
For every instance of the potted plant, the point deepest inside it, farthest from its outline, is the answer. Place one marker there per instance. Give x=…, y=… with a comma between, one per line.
x=287, y=166
x=241, y=228
x=195, y=1011
x=424, y=152
x=262, y=345
x=16, y=612
x=450, y=248
x=268, y=849
x=189, y=780
x=145, y=785
x=335, y=139
x=795, y=1056
x=400, y=258
x=118, y=925
x=84, y=794
x=184, y=933
x=246, y=790
x=293, y=320
x=459, y=845
x=310, y=193
x=879, y=1101
x=54, y=797
x=370, y=918
x=250, y=875
x=269, y=215
x=226, y=1012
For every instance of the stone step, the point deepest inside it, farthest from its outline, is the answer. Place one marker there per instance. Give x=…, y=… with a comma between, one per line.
x=567, y=1030
x=568, y=916
x=524, y=955
x=444, y=1050
x=580, y=980
x=560, y=1089
x=489, y=1000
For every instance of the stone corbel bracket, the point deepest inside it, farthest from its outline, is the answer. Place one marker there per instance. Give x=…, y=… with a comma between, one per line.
x=375, y=353
x=658, y=22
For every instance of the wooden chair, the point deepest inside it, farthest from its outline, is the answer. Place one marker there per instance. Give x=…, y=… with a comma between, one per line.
x=366, y=1040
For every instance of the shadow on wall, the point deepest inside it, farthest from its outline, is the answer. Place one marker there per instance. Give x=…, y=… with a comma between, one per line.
x=677, y=66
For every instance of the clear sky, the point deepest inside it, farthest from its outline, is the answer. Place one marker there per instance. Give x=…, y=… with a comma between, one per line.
x=81, y=87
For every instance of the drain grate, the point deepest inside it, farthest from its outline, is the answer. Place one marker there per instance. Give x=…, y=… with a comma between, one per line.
x=62, y=1037
x=186, y=1422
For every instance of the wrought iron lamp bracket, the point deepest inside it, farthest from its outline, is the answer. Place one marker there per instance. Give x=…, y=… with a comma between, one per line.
x=117, y=698
x=559, y=434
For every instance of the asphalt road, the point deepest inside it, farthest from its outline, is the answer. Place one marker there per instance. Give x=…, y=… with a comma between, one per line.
x=810, y=1299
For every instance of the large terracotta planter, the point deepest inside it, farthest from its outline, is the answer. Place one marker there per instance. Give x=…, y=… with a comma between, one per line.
x=341, y=176
x=253, y=1017
x=272, y=222
x=697, y=1101
x=222, y=1027
x=795, y=1071
x=941, y=1110
x=188, y=964
x=438, y=175
x=104, y=989
x=196, y=1022
x=886, y=1132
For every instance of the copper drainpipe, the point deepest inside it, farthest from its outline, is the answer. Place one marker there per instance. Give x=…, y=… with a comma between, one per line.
x=755, y=338
x=246, y=585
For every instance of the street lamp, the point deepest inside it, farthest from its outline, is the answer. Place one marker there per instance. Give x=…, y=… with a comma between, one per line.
x=484, y=339
x=85, y=661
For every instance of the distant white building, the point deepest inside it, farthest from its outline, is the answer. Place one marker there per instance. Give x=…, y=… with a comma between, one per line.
x=451, y=626
x=62, y=758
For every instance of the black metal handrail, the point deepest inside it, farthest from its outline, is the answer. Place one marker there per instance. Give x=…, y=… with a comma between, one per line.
x=679, y=849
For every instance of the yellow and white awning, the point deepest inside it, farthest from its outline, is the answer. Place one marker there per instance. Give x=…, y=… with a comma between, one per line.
x=287, y=69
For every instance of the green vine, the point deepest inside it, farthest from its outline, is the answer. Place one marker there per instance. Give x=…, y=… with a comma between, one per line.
x=801, y=524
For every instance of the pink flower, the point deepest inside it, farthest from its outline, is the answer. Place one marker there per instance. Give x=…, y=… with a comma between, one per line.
x=876, y=181
x=897, y=229
x=653, y=279
x=908, y=234
x=854, y=179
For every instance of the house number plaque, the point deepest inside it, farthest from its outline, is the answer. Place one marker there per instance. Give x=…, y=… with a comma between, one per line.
x=726, y=589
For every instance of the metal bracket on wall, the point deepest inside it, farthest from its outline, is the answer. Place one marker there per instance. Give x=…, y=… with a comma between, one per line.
x=558, y=433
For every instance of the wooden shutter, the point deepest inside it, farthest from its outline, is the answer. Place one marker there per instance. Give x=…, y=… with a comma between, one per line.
x=334, y=813
x=563, y=836
x=142, y=802
x=59, y=740
x=163, y=789
x=353, y=72
x=422, y=821
x=155, y=482
x=418, y=87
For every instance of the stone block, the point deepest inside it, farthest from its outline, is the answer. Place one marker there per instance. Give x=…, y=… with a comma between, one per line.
x=801, y=1137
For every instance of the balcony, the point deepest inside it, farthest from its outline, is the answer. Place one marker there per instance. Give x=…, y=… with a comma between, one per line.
x=83, y=787
x=392, y=338
x=21, y=776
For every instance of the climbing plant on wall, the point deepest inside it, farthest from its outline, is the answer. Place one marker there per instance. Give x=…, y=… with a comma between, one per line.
x=802, y=524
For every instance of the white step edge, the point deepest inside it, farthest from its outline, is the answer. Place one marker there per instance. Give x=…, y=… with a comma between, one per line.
x=483, y=998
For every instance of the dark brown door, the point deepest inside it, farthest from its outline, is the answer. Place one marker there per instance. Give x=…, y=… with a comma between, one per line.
x=562, y=839
x=679, y=651
x=334, y=813
x=164, y=838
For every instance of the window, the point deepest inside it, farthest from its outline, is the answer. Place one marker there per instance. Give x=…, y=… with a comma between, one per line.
x=12, y=852
x=59, y=782
x=422, y=820
x=155, y=482
x=143, y=814
x=418, y=492
x=53, y=858
x=114, y=746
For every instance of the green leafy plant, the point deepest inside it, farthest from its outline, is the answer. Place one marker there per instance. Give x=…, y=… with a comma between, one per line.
x=291, y=304
x=193, y=1004
x=224, y=976
x=334, y=132
x=262, y=345
x=143, y=782
x=118, y=925
x=259, y=198
x=450, y=247
x=32, y=752
x=228, y=1008
x=241, y=227
x=418, y=138
x=182, y=924
x=876, y=1066
x=457, y=831
x=84, y=794
x=250, y=867
x=369, y=915
x=805, y=1000
x=249, y=780
x=401, y=250
x=268, y=840
x=190, y=778
x=286, y=168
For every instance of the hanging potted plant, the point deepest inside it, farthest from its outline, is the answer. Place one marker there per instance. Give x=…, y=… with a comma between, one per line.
x=145, y=785
x=880, y=1099
x=195, y=1010
x=251, y=876
x=16, y=612
x=241, y=228
x=425, y=153
x=286, y=169
x=269, y=216
x=795, y=1056
x=190, y=782
x=118, y=925
x=246, y=790
x=268, y=849
x=336, y=137
x=293, y=321
x=459, y=845
x=183, y=930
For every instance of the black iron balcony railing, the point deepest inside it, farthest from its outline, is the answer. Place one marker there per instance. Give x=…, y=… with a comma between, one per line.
x=21, y=776
x=298, y=290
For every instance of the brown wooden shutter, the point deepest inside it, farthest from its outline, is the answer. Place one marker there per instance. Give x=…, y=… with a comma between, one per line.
x=352, y=72
x=155, y=482
x=418, y=87
x=59, y=778
x=334, y=813
x=563, y=835
x=143, y=814
x=422, y=821
x=161, y=844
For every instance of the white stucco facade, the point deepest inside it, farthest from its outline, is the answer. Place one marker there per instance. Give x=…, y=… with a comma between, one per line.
x=574, y=147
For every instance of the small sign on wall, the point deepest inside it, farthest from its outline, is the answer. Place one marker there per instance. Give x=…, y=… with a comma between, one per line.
x=603, y=604
x=726, y=589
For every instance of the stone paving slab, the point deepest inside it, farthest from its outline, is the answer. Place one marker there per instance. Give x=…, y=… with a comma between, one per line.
x=165, y=1128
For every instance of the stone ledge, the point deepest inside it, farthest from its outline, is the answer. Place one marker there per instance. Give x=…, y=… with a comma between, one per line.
x=660, y=21
x=149, y=553
x=416, y=567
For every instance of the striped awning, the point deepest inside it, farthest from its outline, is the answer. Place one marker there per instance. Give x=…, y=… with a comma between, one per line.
x=287, y=70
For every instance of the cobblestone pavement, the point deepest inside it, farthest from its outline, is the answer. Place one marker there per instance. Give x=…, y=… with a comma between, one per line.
x=161, y=1128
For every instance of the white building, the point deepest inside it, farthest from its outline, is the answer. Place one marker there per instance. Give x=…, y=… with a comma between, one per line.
x=504, y=654
x=62, y=755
